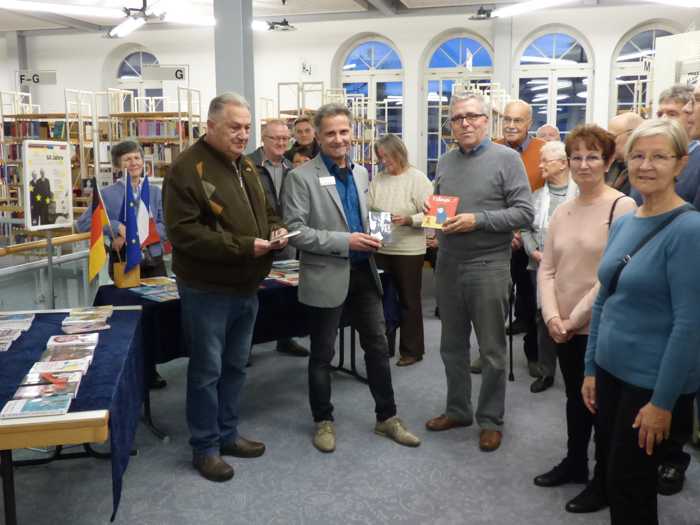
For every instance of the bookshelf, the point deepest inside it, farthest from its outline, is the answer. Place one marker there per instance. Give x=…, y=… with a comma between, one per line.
x=162, y=134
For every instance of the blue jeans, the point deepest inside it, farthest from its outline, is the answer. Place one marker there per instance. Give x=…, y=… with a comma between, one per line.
x=218, y=330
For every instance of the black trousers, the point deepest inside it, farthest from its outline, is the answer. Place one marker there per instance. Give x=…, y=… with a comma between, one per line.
x=525, y=301
x=579, y=421
x=407, y=272
x=631, y=473
x=364, y=306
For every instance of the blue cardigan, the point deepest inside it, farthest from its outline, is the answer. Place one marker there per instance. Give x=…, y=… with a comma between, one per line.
x=648, y=332
x=113, y=197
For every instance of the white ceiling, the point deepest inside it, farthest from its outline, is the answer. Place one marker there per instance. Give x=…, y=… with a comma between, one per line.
x=295, y=10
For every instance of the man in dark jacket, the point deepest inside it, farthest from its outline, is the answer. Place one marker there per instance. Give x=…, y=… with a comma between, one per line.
x=272, y=168
x=304, y=135
x=219, y=222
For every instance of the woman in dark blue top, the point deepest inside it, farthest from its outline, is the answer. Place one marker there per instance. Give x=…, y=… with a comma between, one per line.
x=643, y=355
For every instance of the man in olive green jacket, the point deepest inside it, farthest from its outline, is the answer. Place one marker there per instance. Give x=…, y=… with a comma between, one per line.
x=219, y=222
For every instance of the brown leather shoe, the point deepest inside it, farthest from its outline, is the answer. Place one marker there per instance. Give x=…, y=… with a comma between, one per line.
x=443, y=422
x=490, y=440
x=243, y=448
x=408, y=361
x=213, y=468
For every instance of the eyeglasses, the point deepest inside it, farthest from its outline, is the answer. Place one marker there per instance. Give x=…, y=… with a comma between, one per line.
x=590, y=159
x=469, y=117
x=276, y=139
x=517, y=121
x=543, y=161
x=656, y=159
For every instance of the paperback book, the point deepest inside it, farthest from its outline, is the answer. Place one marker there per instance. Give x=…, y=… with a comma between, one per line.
x=442, y=207
x=40, y=406
x=47, y=378
x=75, y=365
x=47, y=390
x=87, y=326
x=73, y=340
x=380, y=226
x=68, y=353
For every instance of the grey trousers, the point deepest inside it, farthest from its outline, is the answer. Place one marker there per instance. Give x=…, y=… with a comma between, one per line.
x=474, y=293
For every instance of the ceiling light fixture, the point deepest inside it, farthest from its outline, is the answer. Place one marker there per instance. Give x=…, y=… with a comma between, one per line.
x=527, y=7
x=128, y=26
x=481, y=14
x=281, y=25
x=62, y=9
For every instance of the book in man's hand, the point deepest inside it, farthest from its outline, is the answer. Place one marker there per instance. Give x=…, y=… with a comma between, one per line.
x=38, y=406
x=380, y=226
x=442, y=207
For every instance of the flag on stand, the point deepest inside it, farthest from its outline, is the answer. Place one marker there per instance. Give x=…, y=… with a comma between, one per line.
x=141, y=229
x=97, y=256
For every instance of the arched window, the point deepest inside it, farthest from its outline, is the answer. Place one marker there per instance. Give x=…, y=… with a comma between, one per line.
x=373, y=68
x=147, y=95
x=458, y=61
x=631, y=69
x=554, y=77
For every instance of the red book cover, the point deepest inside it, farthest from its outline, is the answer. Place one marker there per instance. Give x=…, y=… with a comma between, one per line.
x=442, y=207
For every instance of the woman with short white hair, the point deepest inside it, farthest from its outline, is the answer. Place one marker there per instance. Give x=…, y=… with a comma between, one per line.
x=642, y=360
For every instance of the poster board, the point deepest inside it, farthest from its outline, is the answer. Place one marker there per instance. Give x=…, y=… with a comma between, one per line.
x=46, y=181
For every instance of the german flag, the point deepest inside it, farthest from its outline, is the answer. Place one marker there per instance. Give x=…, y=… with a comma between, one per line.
x=98, y=256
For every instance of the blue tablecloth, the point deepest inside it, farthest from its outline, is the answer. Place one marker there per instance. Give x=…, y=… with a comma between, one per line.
x=114, y=381
x=280, y=316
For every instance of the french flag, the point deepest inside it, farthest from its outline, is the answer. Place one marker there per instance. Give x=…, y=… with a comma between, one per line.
x=140, y=227
x=148, y=233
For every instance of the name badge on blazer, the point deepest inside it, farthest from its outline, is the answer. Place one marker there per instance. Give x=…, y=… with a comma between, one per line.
x=327, y=181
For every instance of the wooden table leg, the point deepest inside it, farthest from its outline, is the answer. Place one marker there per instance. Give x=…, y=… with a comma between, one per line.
x=8, y=487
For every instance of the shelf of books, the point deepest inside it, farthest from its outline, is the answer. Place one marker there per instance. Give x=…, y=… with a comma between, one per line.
x=162, y=134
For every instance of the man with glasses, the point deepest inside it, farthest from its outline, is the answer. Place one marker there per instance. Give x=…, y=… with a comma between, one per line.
x=621, y=126
x=472, y=274
x=273, y=167
x=517, y=120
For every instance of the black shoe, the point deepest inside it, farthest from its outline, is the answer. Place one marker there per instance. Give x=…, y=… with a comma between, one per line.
x=561, y=474
x=291, y=347
x=541, y=384
x=157, y=382
x=671, y=479
x=243, y=448
x=591, y=499
x=213, y=468
x=517, y=327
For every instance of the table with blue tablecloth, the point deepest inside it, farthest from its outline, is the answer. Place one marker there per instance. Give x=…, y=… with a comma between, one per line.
x=280, y=316
x=114, y=381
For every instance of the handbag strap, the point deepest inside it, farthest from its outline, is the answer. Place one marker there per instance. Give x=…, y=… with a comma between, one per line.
x=612, y=210
x=649, y=236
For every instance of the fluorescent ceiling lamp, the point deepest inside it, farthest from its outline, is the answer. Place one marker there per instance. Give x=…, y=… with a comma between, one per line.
x=561, y=84
x=678, y=3
x=527, y=7
x=62, y=9
x=582, y=94
x=127, y=27
x=259, y=25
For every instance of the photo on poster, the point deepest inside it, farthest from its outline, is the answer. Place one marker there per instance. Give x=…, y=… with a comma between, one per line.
x=148, y=166
x=46, y=182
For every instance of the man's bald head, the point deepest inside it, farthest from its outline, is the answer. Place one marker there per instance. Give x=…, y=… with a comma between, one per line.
x=517, y=119
x=548, y=133
x=622, y=126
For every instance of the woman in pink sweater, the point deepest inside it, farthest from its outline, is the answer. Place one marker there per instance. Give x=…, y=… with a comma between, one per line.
x=568, y=285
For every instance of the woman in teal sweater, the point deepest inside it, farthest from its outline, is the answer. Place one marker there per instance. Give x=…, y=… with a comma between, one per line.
x=643, y=357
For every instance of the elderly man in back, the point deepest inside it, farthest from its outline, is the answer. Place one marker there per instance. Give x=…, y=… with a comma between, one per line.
x=472, y=275
x=621, y=126
x=219, y=222
x=548, y=133
x=273, y=167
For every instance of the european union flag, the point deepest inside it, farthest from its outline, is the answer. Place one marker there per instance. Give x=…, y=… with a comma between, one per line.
x=133, y=243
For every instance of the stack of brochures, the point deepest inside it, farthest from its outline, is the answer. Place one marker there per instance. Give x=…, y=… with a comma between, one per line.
x=158, y=289
x=53, y=382
x=90, y=319
x=284, y=272
x=11, y=327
